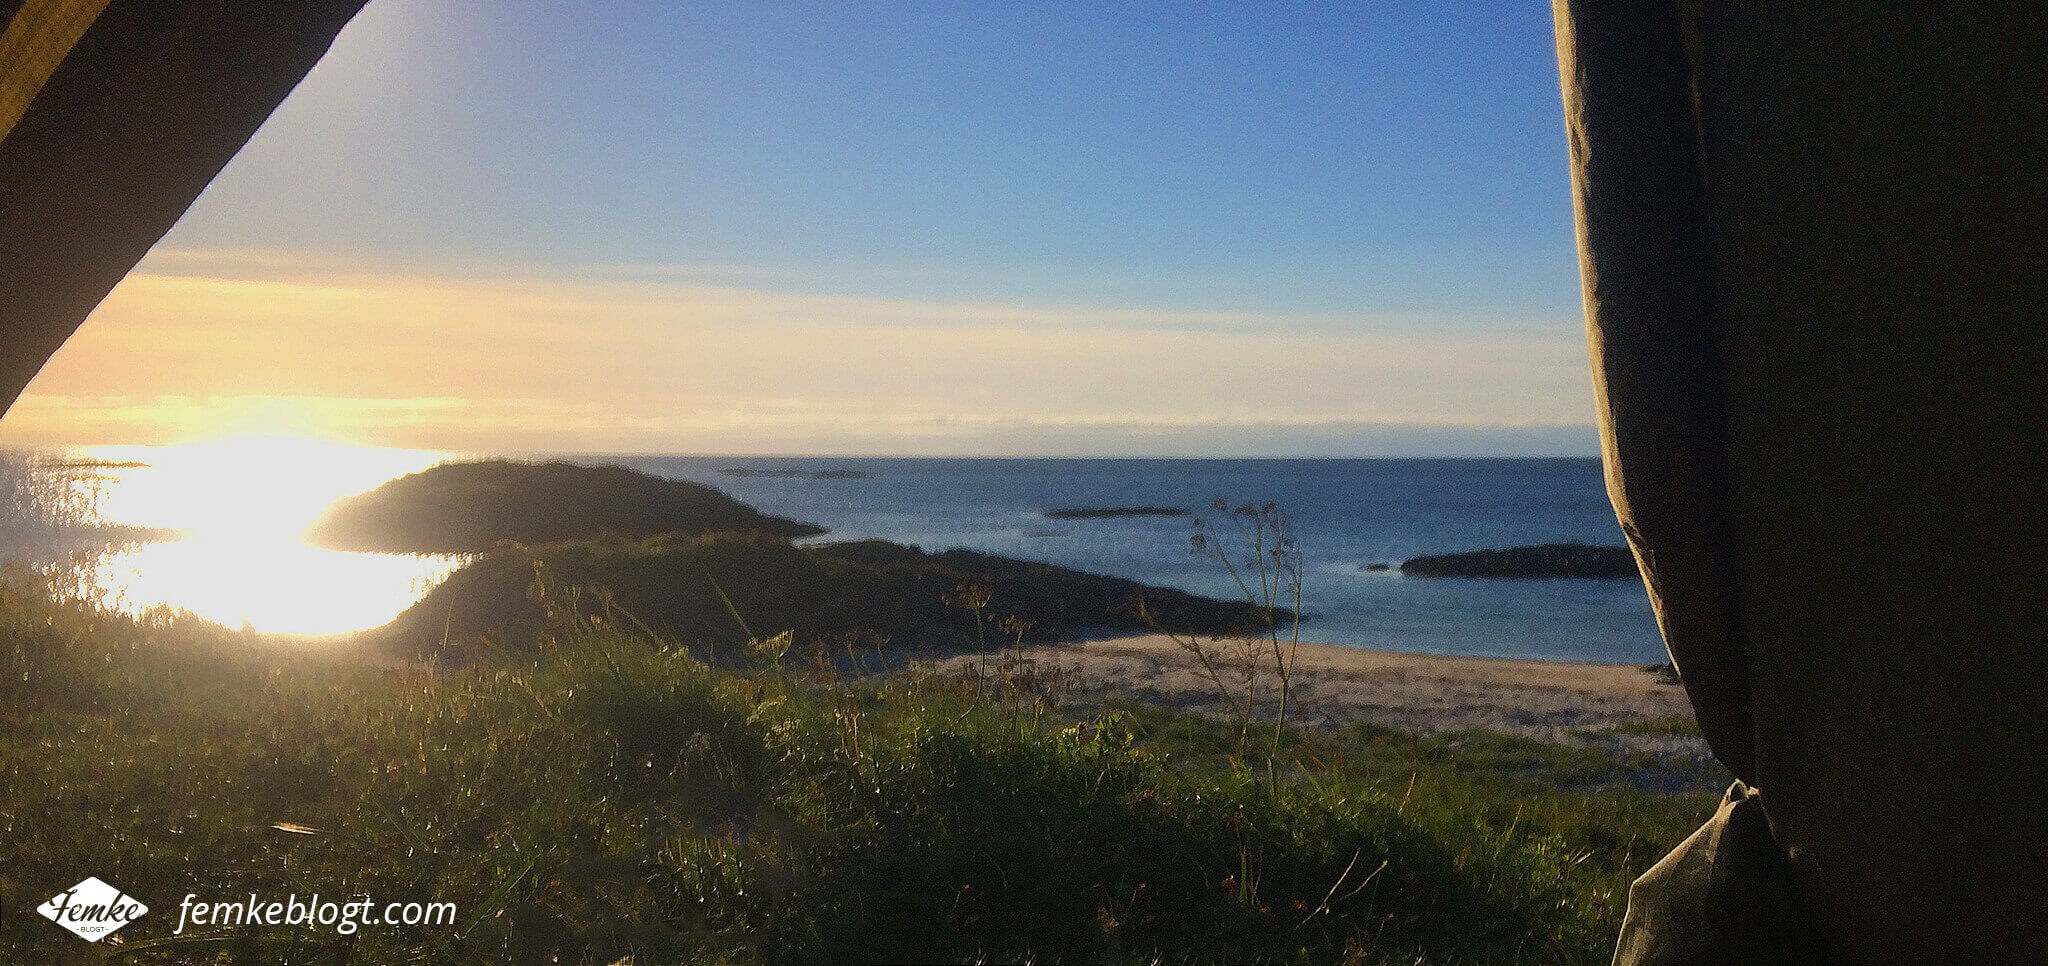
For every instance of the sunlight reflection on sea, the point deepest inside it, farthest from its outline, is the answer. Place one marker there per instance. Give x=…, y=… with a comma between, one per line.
x=216, y=528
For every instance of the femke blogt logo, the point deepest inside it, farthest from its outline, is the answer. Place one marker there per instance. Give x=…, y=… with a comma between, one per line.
x=92, y=909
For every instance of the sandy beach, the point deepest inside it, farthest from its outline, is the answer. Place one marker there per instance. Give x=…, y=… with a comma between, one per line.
x=1548, y=700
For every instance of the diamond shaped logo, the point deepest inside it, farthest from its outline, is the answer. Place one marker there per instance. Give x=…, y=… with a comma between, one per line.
x=92, y=909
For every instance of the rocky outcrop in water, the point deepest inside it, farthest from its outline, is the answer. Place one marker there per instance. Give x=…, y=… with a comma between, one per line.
x=1546, y=560
x=1101, y=513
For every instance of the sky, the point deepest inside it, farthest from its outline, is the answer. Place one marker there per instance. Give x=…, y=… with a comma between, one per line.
x=1271, y=229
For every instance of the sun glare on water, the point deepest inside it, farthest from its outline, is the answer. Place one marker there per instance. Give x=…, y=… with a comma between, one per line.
x=242, y=506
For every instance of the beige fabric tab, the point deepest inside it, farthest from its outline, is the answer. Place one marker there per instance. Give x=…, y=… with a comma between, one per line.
x=1723, y=896
x=34, y=43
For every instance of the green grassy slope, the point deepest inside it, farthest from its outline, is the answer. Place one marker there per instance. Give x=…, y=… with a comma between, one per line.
x=608, y=796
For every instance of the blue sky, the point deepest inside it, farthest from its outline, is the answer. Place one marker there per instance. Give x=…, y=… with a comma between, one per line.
x=1169, y=181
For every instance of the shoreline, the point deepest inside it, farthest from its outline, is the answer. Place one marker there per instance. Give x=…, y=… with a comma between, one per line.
x=1568, y=702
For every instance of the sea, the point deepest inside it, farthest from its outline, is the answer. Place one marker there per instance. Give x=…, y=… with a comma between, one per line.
x=213, y=529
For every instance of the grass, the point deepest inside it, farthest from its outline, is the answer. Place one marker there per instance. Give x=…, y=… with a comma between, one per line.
x=1681, y=725
x=609, y=796
x=1597, y=806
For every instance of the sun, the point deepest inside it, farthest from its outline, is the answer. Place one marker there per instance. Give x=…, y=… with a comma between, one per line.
x=242, y=505
x=259, y=488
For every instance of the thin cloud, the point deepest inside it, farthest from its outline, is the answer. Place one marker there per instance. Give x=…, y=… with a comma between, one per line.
x=538, y=363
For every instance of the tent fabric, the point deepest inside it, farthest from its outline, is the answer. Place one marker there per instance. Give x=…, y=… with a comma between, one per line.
x=113, y=117
x=1812, y=243
x=34, y=39
x=1725, y=895
x=1657, y=372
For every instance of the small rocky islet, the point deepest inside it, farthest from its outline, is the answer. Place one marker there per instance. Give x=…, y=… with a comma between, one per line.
x=1114, y=512
x=470, y=507
x=1540, y=561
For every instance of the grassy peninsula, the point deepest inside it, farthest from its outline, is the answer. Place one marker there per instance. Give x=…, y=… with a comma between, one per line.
x=714, y=592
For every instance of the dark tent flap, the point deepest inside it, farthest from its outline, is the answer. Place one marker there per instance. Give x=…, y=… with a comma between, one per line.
x=113, y=117
x=1824, y=407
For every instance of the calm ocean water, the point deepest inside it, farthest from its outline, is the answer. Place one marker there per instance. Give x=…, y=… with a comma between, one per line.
x=240, y=509
x=1347, y=515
